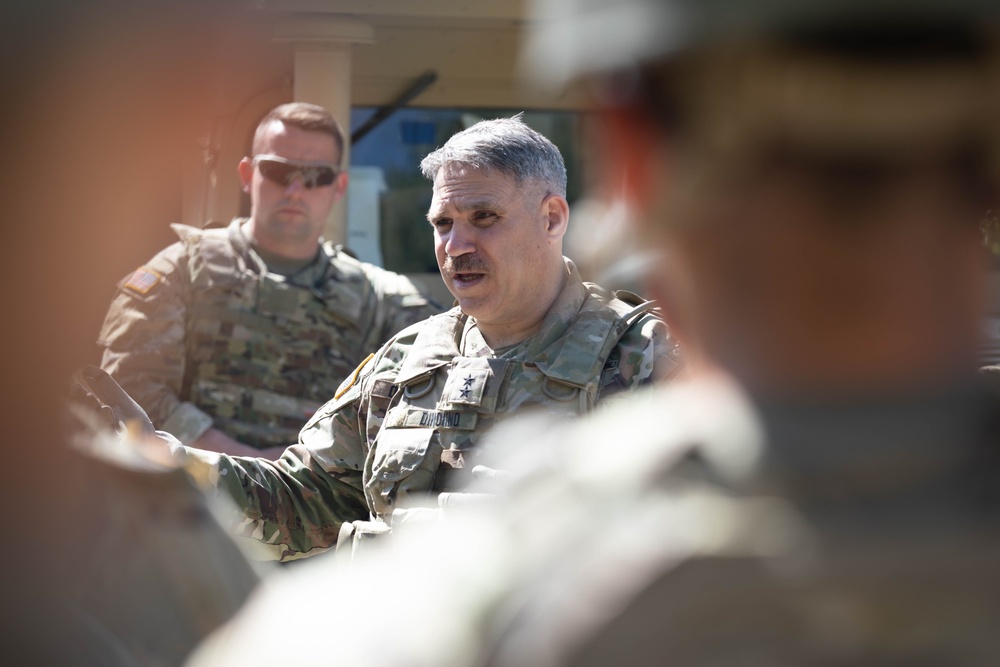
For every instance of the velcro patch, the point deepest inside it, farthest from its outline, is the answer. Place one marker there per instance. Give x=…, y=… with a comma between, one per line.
x=465, y=386
x=383, y=389
x=143, y=280
x=420, y=418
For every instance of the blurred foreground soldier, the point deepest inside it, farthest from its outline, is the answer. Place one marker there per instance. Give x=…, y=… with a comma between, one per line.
x=232, y=338
x=156, y=572
x=826, y=491
x=527, y=334
x=76, y=525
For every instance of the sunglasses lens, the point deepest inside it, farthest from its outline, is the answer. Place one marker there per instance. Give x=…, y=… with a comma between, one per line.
x=283, y=174
x=277, y=172
x=324, y=176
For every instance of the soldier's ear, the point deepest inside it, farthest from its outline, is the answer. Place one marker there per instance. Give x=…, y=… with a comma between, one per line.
x=556, y=212
x=341, y=184
x=246, y=173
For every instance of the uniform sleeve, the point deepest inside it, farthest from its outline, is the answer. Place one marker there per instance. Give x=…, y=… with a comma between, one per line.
x=293, y=507
x=645, y=354
x=143, y=339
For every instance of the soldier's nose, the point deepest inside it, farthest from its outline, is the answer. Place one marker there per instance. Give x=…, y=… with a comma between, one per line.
x=460, y=241
x=295, y=187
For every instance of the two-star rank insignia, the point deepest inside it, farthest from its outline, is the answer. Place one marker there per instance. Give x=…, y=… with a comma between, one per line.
x=466, y=391
x=466, y=386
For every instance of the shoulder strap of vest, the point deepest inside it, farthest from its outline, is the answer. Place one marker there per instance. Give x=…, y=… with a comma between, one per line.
x=636, y=305
x=603, y=319
x=343, y=265
x=184, y=231
x=218, y=255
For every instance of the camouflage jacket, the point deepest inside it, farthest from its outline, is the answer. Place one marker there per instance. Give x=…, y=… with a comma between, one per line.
x=204, y=336
x=407, y=420
x=732, y=533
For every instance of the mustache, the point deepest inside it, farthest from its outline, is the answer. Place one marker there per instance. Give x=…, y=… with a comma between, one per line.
x=464, y=264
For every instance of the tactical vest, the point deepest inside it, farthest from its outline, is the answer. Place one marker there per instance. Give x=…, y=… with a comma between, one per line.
x=263, y=353
x=440, y=403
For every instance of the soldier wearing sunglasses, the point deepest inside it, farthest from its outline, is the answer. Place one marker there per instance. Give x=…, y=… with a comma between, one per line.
x=231, y=338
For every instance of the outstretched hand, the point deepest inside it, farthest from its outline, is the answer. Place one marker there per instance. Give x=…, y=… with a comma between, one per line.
x=95, y=388
x=98, y=393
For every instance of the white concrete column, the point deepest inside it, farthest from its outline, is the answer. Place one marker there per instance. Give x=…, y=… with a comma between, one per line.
x=323, y=48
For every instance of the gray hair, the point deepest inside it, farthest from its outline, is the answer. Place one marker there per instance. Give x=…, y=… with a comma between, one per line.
x=506, y=146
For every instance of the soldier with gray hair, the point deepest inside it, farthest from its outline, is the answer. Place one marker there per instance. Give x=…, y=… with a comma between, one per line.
x=826, y=490
x=506, y=146
x=402, y=431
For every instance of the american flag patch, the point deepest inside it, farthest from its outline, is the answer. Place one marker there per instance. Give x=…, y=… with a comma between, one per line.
x=143, y=280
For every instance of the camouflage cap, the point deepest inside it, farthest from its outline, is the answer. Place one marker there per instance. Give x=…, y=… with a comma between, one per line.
x=574, y=37
x=893, y=77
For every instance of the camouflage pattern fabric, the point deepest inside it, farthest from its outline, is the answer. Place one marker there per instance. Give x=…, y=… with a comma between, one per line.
x=151, y=572
x=204, y=336
x=779, y=533
x=730, y=534
x=407, y=422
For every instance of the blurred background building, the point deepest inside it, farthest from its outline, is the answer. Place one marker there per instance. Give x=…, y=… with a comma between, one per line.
x=401, y=77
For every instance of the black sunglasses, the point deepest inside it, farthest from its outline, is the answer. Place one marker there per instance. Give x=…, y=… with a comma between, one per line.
x=283, y=172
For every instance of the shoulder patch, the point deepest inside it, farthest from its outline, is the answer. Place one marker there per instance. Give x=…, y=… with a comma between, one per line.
x=143, y=280
x=383, y=389
x=351, y=381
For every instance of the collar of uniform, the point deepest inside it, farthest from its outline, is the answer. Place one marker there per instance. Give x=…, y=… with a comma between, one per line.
x=309, y=275
x=554, y=325
x=439, y=339
x=329, y=258
x=560, y=315
x=436, y=345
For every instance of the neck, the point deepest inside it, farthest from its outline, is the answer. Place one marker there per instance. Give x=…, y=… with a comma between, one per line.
x=898, y=320
x=280, y=246
x=282, y=265
x=499, y=337
x=504, y=334
x=794, y=295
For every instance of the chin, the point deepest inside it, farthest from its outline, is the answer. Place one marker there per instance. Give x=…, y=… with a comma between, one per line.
x=471, y=307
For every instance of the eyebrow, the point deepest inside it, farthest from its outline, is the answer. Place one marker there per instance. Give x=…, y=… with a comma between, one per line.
x=462, y=207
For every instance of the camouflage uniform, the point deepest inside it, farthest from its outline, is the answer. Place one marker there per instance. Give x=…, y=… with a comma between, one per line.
x=785, y=534
x=408, y=420
x=205, y=336
x=730, y=534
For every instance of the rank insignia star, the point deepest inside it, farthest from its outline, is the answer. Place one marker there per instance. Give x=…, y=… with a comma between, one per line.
x=467, y=385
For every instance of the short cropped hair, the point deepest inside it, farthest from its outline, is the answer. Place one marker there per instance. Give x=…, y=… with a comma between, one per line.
x=304, y=116
x=506, y=146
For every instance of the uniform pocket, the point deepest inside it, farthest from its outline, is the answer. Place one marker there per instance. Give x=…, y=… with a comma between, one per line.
x=404, y=461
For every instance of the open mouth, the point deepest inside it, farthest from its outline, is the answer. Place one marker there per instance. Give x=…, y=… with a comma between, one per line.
x=465, y=279
x=464, y=271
